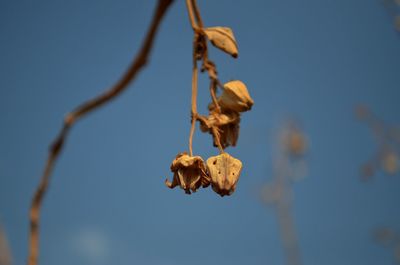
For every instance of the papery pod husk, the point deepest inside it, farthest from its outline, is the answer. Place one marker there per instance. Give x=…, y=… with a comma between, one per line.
x=228, y=135
x=224, y=172
x=219, y=119
x=185, y=160
x=189, y=173
x=227, y=125
x=222, y=38
x=235, y=97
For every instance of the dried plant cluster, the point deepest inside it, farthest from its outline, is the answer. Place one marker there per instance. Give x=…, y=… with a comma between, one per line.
x=190, y=172
x=222, y=171
x=387, y=157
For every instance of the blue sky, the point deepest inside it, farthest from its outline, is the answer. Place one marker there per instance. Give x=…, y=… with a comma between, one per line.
x=107, y=204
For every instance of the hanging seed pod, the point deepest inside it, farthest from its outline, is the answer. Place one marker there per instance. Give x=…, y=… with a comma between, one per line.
x=235, y=97
x=222, y=38
x=189, y=173
x=227, y=125
x=224, y=172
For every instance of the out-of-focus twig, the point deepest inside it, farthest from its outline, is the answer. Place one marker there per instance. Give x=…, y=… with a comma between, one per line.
x=5, y=252
x=279, y=193
x=387, y=137
x=88, y=106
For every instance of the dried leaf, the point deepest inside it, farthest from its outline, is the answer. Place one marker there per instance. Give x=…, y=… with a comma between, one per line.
x=222, y=38
x=224, y=172
x=235, y=97
x=189, y=173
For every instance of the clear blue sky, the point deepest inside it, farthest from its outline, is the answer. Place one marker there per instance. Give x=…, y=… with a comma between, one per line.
x=107, y=202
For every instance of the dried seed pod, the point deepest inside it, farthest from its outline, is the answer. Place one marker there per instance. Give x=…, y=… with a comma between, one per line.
x=222, y=38
x=235, y=97
x=189, y=173
x=219, y=119
x=227, y=125
x=224, y=172
x=228, y=134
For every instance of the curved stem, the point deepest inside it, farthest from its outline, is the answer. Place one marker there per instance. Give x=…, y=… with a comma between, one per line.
x=213, y=89
x=194, y=103
x=56, y=148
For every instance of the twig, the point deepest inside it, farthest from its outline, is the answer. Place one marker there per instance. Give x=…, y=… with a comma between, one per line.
x=191, y=15
x=5, y=252
x=281, y=199
x=55, y=149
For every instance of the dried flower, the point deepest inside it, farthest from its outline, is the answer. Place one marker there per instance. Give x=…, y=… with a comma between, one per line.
x=224, y=172
x=235, y=97
x=189, y=173
x=222, y=38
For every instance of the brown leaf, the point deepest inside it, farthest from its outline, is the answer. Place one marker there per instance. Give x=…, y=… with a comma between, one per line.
x=222, y=38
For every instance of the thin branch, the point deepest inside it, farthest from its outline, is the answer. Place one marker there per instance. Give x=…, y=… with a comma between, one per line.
x=55, y=149
x=5, y=252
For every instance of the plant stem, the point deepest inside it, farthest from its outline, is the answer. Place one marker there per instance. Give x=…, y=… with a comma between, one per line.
x=194, y=101
x=189, y=7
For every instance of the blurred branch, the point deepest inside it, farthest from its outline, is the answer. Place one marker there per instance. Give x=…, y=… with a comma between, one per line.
x=387, y=137
x=83, y=109
x=278, y=194
x=5, y=253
